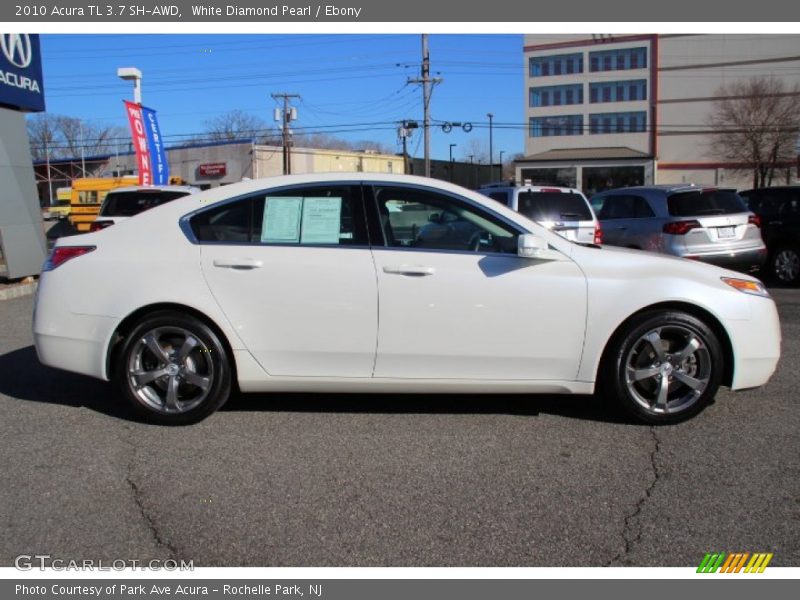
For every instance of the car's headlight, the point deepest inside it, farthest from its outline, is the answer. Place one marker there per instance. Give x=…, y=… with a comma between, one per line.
x=748, y=286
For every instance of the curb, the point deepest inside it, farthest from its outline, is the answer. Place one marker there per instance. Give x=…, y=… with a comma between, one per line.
x=17, y=291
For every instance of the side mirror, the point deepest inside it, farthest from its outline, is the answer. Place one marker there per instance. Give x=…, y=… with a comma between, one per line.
x=532, y=246
x=435, y=218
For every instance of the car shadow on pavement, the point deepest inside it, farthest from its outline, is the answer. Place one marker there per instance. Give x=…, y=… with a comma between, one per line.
x=583, y=407
x=25, y=378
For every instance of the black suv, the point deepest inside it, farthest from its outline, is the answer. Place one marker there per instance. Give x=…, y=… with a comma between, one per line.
x=779, y=210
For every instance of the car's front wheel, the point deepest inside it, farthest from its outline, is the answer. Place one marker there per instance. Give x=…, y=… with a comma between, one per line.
x=664, y=366
x=785, y=265
x=173, y=369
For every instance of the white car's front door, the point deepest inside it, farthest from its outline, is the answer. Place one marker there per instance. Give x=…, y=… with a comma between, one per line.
x=293, y=273
x=456, y=302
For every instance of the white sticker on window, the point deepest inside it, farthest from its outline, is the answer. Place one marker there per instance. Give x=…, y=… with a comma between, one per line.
x=282, y=219
x=322, y=219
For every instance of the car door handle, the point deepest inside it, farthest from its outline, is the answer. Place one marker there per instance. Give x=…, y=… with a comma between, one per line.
x=413, y=270
x=238, y=263
x=775, y=223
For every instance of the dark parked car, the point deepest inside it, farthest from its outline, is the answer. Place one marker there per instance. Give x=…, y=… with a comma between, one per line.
x=779, y=210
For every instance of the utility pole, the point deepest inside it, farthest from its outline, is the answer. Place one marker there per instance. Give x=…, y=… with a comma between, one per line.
x=427, y=86
x=286, y=115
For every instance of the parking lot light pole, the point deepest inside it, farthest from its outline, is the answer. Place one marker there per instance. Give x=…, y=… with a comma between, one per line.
x=491, y=153
x=501, y=163
x=451, y=161
x=135, y=75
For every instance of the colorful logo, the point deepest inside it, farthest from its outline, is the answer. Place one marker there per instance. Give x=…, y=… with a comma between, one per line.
x=734, y=562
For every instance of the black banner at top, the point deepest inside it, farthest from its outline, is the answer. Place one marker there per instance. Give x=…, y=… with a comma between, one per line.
x=497, y=11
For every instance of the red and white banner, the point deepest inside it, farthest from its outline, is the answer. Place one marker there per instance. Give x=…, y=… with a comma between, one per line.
x=140, y=145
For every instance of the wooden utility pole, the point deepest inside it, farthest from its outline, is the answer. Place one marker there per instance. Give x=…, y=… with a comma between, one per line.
x=287, y=115
x=427, y=85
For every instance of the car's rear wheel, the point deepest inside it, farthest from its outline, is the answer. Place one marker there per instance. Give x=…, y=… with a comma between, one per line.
x=664, y=366
x=173, y=369
x=785, y=265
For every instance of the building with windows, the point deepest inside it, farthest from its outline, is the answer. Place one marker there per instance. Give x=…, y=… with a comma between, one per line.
x=610, y=111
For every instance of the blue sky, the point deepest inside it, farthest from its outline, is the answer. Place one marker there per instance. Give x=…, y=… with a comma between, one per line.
x=352, y=86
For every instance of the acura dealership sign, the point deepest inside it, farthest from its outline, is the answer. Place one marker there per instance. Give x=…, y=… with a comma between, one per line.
x=21, y=84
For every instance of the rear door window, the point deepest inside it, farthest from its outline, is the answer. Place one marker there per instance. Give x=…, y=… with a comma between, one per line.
x=553, y=206
x=625, y=206
x=127, y=204
x=705, y=203
x=321, y=215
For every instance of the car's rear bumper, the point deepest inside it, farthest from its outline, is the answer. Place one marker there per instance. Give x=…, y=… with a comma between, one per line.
x=739, y=260
x=70, y=341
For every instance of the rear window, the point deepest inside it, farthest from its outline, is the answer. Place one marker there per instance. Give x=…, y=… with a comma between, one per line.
x=553, y=206
x=704, y=203
x=127, y=204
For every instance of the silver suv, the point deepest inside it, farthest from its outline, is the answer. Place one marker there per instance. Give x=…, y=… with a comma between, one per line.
x=563, y=210
x=691, y=221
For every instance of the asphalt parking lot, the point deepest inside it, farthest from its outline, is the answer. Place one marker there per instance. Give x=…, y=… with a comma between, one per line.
x=386, y=480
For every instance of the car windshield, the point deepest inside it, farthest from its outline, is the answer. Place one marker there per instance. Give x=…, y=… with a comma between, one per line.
x=553, y=206
x=703, y=203
x=127, y=204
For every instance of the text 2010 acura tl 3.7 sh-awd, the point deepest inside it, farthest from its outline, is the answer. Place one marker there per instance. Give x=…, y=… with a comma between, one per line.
x=381, y=283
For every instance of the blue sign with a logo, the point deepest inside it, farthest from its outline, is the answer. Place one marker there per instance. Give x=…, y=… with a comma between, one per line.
x=21, y=82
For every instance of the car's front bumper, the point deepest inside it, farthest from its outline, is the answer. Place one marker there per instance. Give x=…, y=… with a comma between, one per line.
x=756, y=344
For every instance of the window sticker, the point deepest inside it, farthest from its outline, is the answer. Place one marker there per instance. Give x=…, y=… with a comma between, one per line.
x=322, y=219
x=282, y=219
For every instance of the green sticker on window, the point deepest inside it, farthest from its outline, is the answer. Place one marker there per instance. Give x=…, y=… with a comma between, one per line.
x=282, y=220
x=322, y=219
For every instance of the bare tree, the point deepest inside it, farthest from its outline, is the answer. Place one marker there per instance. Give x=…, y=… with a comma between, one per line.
x=756, y=124
x=509, y=166
x=43, y=134
x=325, y=141
x=60, y=137
x=478, y=150
x=238, y=125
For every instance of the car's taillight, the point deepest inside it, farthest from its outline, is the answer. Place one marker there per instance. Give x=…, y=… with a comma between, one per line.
x=681, y=227
x=98, y=225
x=598, y=234
x=62, y=254
x=754, y=220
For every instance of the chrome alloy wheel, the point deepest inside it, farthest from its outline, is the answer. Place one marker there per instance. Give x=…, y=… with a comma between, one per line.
x=667, y=369
x=786, y=264
x=170, y=370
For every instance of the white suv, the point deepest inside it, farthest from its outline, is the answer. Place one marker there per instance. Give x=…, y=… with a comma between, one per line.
x=563, y=210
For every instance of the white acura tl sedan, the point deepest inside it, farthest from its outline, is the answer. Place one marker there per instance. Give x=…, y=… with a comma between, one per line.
x=379, y=283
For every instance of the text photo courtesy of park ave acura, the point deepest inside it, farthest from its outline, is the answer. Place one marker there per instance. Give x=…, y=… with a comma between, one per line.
x=397, y=300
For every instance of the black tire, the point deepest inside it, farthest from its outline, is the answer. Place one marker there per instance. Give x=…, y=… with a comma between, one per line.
x=784, y=265
x=690, y=361
x=173, y=369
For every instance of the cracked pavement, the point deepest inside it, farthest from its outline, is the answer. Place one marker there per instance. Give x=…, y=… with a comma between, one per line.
x=384, y=480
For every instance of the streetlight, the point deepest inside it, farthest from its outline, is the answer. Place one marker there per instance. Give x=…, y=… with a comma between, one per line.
x=135, y=75
x=491, y=154
x=451, y=161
